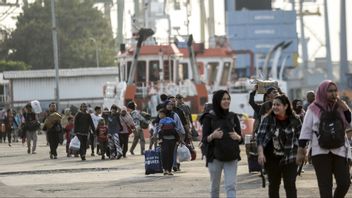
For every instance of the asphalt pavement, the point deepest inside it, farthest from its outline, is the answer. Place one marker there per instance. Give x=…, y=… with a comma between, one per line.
x=35, y=175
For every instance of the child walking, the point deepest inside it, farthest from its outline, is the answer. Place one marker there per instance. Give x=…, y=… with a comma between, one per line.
x=102, y=135
x=69, y=134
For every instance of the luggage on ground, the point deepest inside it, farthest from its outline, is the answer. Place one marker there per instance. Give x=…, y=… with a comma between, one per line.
x=252, y=157
x=152, y=161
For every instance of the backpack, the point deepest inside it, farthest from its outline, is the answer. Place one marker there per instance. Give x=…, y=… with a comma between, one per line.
x=168, y=126
x=144, y=124
x=225, y=149
x=331, y=133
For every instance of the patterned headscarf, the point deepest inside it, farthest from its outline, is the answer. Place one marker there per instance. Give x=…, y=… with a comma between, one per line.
x=322, y=100
x=127, y=118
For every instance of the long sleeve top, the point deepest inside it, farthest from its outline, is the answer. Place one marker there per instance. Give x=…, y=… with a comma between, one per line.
x=137, y=118
x=208, y=130
x=83, y=123
x=288, y=136
x=311, y=123
x=255, y=106
x=114, y=124
x=126, y=122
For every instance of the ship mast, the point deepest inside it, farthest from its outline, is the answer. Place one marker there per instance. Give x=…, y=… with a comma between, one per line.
x=343, y=46
x=327, y=42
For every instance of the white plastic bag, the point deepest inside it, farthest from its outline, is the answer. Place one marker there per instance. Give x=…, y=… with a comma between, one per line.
x=36, y=106
x=75, y=144
x=183, y=153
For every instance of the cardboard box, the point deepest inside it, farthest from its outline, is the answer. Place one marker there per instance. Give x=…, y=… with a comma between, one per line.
x=264, y=85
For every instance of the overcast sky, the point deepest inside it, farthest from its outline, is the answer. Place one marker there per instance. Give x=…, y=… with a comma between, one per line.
x=314, y=24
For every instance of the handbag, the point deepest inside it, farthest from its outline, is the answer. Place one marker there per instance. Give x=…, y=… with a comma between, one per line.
x=75, y=144
x=32, y=126
x=183, y=153
x=152, y=161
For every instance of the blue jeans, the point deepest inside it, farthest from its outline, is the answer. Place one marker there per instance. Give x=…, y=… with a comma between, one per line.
x=230, y=177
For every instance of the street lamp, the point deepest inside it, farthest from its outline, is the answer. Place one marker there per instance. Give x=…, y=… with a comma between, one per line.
x=96, y=50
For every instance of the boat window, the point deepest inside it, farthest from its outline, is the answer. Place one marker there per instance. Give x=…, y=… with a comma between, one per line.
x=168, y=70
x=212, y=72
x=141, y=72
x=182, y=71
x=225, y=74
x=154, y=74
x=140, y=75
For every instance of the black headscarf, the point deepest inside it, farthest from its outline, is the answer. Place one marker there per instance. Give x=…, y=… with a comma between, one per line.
x=217, y=97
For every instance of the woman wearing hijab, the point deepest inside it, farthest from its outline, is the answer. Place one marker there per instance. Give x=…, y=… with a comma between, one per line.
x=277, y=142
x=127, y=128
x=221, y=138
x=327, y=162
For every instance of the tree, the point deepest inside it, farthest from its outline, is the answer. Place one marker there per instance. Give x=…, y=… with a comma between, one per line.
x=12, y=65
x=78, y=23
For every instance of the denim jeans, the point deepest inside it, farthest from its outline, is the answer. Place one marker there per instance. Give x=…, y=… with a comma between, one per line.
x=230, y=177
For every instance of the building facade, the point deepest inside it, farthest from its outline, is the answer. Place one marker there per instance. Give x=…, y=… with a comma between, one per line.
x=75, y=86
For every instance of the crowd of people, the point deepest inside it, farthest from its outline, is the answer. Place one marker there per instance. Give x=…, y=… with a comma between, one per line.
x=287, y=133
x=104, y=132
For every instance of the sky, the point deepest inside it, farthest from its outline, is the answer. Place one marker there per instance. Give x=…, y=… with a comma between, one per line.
x=314, y=24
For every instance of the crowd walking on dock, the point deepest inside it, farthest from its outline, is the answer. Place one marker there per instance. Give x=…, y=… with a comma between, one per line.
x=286, y=135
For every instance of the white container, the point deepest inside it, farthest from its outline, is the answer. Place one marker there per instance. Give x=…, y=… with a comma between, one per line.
x=36, y=106
x=247, y=139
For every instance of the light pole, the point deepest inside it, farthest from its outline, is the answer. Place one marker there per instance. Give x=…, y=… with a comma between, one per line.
x=55, y=50
x=96, y=50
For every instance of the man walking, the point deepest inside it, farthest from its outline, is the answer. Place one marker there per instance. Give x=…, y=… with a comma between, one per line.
x=83, y=123
x=138, y=133
x=53, y=127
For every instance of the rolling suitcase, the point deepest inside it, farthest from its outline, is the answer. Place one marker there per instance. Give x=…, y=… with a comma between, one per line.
x=252, y=157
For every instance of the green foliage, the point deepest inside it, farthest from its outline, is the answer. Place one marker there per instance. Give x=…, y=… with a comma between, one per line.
x=13, y=65
x=78, y=24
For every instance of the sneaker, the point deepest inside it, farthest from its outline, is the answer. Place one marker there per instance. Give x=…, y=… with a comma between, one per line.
x=83, y=158
x=28, y=151
x=68, y=155
x=170, y=173
x=51, y=156
x=132, y=153
x=9, y=144
x=103, y=157
x=33, y=152
x=165, y=173
x=55, y=157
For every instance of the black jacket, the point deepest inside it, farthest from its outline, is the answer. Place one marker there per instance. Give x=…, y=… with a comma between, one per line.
x=208, y=129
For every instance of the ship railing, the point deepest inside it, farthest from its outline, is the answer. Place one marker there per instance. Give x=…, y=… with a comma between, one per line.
x=184, y=88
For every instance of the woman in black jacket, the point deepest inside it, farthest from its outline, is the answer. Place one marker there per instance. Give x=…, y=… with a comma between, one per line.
x=221, y=138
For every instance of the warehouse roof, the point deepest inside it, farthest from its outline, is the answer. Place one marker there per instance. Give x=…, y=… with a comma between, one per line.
x=49, y=73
